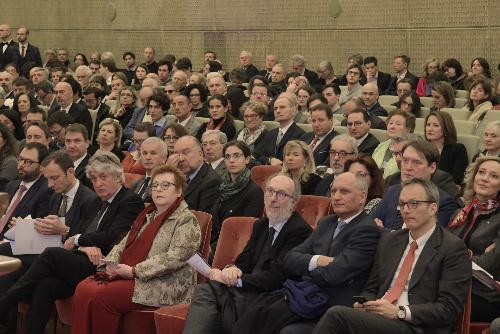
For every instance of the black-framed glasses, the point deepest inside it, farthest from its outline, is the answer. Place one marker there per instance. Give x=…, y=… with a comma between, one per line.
x=234, y=156
x=162, y=185
x=411, y=204
x=27, y=162
x=341, y=154
x=281, y=195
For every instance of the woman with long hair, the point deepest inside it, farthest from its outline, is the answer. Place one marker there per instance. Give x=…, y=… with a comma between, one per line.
x=298, y=163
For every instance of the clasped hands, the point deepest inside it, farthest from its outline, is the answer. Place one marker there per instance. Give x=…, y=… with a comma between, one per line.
x=380, y=306
x=228, y=276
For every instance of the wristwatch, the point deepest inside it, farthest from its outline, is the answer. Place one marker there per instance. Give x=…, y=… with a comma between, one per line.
x=402, y=313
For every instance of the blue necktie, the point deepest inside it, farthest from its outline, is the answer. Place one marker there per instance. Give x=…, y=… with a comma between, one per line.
x=340, y=226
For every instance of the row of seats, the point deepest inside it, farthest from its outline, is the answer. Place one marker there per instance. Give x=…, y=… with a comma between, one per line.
x=426, y=101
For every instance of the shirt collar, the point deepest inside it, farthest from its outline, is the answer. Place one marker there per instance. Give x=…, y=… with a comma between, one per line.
x=28, y=185
x=161, y=121
x=422, y=240
x=216, y=163
x=194, y=173
x=78, y=161
x=285, y=129
x=110, y=200
x=349, y=219
x=72, y=192
x=360, y=140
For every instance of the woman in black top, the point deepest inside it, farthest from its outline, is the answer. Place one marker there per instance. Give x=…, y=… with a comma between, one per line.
x=299, y=165
x=220, y=119
x=198, y=96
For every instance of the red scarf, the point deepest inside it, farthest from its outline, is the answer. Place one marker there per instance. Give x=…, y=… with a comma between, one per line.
x=474, y=208
x=212, y=126
x=137, y=246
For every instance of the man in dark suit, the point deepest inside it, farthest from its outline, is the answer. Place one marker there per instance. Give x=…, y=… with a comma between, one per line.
x=93, y=99
x=374, y=75
x=259, y=267
x=57, y=271
x=358, y=125
x=420, y=278
x=154, y=152
x=29, y=195
x=27, y=52
x=323, y=132
x=247, y=65
x=400, y=65
x=44, y=91
x=8, y=48
x=299, y=67
x=285, y=109
x=336, y=257
x=358, y=103
x=78, y=113
x=76, y=144
x=370, y=94
x=203, y=181
x=419, y=159
x=267, y=73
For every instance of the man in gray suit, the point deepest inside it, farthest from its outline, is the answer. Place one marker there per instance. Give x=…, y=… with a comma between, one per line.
x=419, y=281
x=182, y=110
x=212, y=142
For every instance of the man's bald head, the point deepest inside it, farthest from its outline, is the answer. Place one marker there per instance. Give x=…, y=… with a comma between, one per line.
x=370, y=94
x=64, y=94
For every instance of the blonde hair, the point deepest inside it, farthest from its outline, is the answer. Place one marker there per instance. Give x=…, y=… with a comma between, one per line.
x=425, y=71
x=309, y=165
x=116, y=126
x=471, y=175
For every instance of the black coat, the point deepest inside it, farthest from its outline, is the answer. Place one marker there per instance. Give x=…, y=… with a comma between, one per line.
x=102, y=114
x=383, y=81
x=32, y=54
x=321, y=152
x=228, y=128
x=392, y=89
x=454, y=160
x=368, y=145
x=78, y=114
x=271, y=151
x=203, y=190
x=323, y=187
x=77, y=210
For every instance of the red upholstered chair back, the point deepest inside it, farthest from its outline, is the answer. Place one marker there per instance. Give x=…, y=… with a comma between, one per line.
x=260, y=174
x=205, y=221
x=234, y=235
x=131, y=178
x=313, y=208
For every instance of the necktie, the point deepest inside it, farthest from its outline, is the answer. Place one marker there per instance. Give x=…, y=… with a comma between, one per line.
x=313, y=143
x=63, y=206
x=143, y=191
x=271, y=231
x=94, y=224
x=279, y=138
x=23, y=51
x=8, y=214
x=395, y=291
x=340, y=226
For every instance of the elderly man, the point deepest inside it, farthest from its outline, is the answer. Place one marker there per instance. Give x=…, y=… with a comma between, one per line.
x=278, y=79
x=83, y=74
x=57, y=271
x=285, y=109
x=258, y=269
x=325, y=72
x=370, y=94
x=419, y=159
x=336, y=258
x=271, y=61
x=358, y=125
x=342, y=147
x=247, y=65
x=420, y=278
x=203, y=181
x=182, y=108
x=299, y=67
x=154, y=152
x=38, y=74
x=180, y=79
x=212, y=142
x=78, y=113
x=6, y=82
x=76, y=144
x=216, y=84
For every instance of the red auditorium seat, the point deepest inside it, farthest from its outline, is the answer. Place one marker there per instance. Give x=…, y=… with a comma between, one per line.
x=260, y=174
x=130, y=178
x=313, y=208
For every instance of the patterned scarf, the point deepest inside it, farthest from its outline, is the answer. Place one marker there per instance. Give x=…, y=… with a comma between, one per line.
x=212, y=124
x=248, y=138
x=228, y=188
x=473, y=210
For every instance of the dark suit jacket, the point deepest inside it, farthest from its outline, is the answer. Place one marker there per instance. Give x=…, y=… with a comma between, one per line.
x=440, y=178
x=102, y=113
x=454, y=160
x=377, y=122
x=392, y=89
x=136, y=186
x=115, y=223
x=32, y=54
x=383, y=81
x=312, y=77
x=368, y=145
x=35, y=201
x=251, y=71
x=387, y=209
x=77, y=210
x=377, y=110
x=353, y=249
x=323, y=188
x=203, y=190
x=273, y=273
x=438, y=286
x=10, y=55
x=249, y=202
x=321, y=152
x=79, y=114
x=80, y=173
x=270, y=150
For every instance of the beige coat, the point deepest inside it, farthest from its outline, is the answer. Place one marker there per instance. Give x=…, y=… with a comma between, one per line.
x=165, y=278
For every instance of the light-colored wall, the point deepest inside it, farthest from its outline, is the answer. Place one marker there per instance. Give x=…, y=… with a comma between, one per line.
x=383, y=28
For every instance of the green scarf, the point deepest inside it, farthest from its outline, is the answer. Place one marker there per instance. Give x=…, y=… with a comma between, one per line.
x=228, y=188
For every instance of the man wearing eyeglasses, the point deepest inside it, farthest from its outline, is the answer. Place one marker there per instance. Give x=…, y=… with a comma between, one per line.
x=354, y=73
x=213, y=142
x=258, y=268
x=30, y=194
x=358, y=125
x=419, y=159
x=420, y=278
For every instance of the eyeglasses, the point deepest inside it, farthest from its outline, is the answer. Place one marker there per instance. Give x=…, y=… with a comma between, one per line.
x=138, y=141
x=209, y=143
x=411, y=204
x=258, y=94
x=341, y=154
x=27, y=162
x=194, y=95
x=163, y=185
x=355, y=124
x=281, y=195
x=235, y=156
x=170, y=138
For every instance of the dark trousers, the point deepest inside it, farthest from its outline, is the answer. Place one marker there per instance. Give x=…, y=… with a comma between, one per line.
x=483, y=310
x=203, y=316
x=54, y=275
x=346, y=320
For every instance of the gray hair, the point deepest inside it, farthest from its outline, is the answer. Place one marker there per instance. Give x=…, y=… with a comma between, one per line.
x=299, y=60
x=222, y=136
x=293, y=102
x=430, y=188
x=493, y=125
x=84, y=69
x=105, y=162
x=348, y=139
x=156, y=140
x=325, y=64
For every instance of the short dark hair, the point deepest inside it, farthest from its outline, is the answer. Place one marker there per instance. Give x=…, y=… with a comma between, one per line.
x=45, y=86
x=314, y=97
x=79, y=128
x=358, y=67
x=59, y=117
x=366, y=117
x=214, y=66
x=164, y=62
x=42, y=151
x=428, y=149
x=323, y=107
x=405, y=59
x=147, y=127
x=453, y=63
x=161, y=99
x=109, y=64
x=184, y=63
x=98, y=93
x=259, y=85
x=40, y=125
x=179, y=130
x=334, y=86
x=369, y=60
x=128, y=53
x=406, y=80
x=209, y=51
x=22, y=81
x=239, y=144
x=60, y=158
x=36, y=110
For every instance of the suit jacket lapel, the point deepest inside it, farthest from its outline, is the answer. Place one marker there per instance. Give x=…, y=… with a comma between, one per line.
x=426, y=256
x=394, y=258
x=71, y=212
x=30, y=194
x=111, y=209
x=193, y=184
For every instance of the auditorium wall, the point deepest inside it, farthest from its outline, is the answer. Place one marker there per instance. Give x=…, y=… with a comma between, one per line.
x=421, y=28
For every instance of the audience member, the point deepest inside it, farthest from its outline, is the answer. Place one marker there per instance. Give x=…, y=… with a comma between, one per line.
x=423, y=87
x=125, y=106
x=271, y=61
x=299, y=164
x=354, y=88
x=171, y=135
x=109, y=137
x=132, y=161
x=22, y=104
x=443, y=95
x=38, y=132
x=182, y=109
x=76, y=144
x=491, y=140
x=299, y=67
x=44, y=91
x=400, y=65
x=130, y=65
x=410, y=102
x=453, y=70
x=57, y=123
x=212, y=142
x=254, y=131
x=8, y=155
x=303, y=93
x=220, y=118
x=374, y=75
x=358, y=103
x=480, y=93
x=358, y=125
x=332, y=92
x=12, y=121
x=197, y=95
x=140, y=114
x=78, y=113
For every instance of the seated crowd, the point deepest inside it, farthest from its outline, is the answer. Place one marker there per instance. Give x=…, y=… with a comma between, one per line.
x=118, y=162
